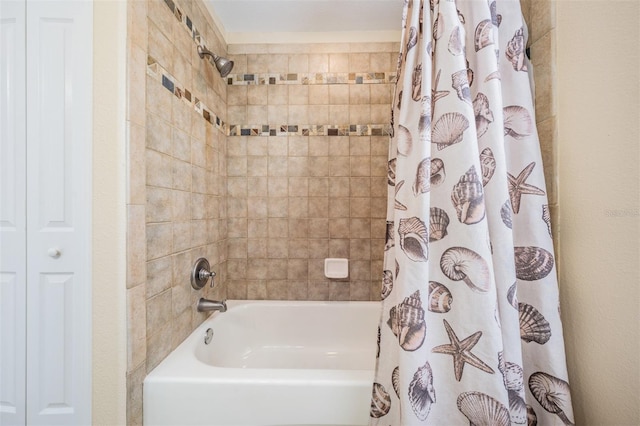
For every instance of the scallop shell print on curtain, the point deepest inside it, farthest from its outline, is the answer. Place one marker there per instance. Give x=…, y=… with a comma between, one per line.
x=470, y=330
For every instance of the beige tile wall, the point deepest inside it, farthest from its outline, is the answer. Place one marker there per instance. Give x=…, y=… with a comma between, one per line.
x=541, y=19
x=295, y=200
x=176, y=185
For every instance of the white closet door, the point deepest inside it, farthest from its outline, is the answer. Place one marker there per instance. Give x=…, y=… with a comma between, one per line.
x=12, y=213
x=59, y=137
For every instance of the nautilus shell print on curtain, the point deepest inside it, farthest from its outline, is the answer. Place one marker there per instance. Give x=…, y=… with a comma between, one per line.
x=463, y=264
x=470, y=329
x=553, y=395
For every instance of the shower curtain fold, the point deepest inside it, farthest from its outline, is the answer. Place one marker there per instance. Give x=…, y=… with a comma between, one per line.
x=470, y=329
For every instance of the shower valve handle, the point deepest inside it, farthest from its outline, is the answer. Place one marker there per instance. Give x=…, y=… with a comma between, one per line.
x=201, y=273
x=205, y=275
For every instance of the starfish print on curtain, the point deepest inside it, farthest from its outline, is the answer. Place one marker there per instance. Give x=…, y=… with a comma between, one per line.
x=461, y=352
x=518, y=187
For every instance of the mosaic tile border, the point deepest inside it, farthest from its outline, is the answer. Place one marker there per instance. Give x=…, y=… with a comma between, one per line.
x=158, y=73
x=312, y=78
x=310, y=130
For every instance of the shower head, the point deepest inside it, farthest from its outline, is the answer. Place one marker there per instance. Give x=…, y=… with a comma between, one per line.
x=223, y=65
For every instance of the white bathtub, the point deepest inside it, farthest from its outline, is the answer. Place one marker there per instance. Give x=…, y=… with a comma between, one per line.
x=270, y=363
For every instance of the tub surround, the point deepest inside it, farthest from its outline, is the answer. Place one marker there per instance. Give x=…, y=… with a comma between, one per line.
x=187, y=196
x=266, y=172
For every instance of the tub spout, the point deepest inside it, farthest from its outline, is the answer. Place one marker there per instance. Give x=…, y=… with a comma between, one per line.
x=205, y=305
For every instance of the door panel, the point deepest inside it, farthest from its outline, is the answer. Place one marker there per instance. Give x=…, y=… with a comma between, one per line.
x=55, y=361
x=59, y=76
x=12, y=213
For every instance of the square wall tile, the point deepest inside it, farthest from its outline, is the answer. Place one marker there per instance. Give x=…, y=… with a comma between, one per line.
x=338, y=62
x=319, y=62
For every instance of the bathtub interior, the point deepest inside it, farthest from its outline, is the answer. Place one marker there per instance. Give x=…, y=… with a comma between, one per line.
x=333, y=336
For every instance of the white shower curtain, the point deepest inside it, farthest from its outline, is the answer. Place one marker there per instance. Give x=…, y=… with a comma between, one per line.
x=470, y=329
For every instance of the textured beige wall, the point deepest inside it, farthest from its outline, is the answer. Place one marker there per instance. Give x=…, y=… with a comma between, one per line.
x=108, y=216
x=598, y=117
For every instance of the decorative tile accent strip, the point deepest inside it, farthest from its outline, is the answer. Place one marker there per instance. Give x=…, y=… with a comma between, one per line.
x=310, y=130
x=156, y=71
x=312, y=78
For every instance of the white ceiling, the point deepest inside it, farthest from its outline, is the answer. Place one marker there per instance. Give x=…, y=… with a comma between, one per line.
x=307, y=16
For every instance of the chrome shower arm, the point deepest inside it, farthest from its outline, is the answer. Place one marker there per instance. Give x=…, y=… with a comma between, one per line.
x=204, y=51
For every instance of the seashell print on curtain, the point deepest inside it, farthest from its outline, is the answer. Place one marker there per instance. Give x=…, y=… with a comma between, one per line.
x=470, y=330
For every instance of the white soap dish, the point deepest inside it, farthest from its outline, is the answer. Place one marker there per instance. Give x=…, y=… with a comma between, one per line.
x=336, y=268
